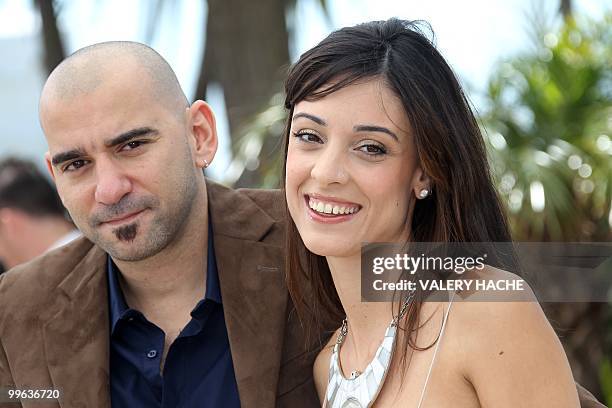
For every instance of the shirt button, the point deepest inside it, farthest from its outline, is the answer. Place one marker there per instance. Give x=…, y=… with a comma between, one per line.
x=152, y=353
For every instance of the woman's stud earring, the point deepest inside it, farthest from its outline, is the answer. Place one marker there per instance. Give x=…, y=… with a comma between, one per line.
x=424, y=193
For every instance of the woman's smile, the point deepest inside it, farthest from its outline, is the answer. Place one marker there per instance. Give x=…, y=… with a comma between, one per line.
x=328, y=210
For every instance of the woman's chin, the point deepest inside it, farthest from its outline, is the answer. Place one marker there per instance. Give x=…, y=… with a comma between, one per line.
x=333, y=249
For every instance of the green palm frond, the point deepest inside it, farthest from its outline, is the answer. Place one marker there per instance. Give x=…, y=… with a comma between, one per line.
x=549, y=126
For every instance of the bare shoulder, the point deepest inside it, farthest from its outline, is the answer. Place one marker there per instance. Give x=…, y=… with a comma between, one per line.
x=321, y=366
x=510, y=345
x=487, y=317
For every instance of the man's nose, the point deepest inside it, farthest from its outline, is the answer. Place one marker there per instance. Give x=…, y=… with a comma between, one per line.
x=329, y=167
x=112, y=183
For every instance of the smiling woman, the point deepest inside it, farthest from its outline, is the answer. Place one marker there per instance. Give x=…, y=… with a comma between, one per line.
x=360, y=133
x=382, y=146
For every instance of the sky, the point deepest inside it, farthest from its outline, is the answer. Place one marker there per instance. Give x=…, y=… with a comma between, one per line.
x=472, y=34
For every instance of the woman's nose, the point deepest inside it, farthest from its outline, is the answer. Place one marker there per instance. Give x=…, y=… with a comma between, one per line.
x=329, y=168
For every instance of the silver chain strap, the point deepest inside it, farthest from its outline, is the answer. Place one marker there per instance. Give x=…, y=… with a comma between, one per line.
x=394, y=322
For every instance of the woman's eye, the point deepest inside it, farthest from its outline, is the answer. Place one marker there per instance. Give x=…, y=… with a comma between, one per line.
x=372, y=150
x=307, y=137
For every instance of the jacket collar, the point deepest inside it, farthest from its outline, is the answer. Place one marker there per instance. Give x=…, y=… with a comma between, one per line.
x=235, y=214
x=253, y=291
x=76, y=334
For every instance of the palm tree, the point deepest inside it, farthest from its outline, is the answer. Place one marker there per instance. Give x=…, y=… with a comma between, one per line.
x=550, y=134
x=53, y=44
x=247, y=49
x=247, y=53
x=548, y=125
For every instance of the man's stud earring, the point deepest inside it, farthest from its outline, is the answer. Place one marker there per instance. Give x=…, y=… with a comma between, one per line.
x=205, y=165
x=424, y=193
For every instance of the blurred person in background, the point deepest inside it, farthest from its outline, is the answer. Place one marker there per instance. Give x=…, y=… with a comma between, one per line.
x=32, y=217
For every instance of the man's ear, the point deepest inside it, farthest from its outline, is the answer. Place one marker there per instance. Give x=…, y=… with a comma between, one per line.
x=51, y=171
x=49, y=165
x=203, y=133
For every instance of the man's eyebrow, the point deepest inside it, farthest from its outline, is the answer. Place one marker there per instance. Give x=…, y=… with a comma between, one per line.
x=129, y=135
x=372, y=128
x=314, y=118
x=62, y=157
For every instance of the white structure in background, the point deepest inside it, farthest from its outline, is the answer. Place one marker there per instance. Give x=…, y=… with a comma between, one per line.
x=21, y=78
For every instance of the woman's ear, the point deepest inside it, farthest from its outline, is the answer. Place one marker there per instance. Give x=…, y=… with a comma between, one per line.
x=422, y=184
x=203, y=133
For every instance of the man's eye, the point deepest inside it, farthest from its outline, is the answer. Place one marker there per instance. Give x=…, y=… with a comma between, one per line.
x=307, y=137
x=133, y=144
x=75, y=165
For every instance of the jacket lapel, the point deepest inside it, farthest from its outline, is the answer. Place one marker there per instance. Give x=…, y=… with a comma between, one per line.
x=253, y=292
x=76, y=335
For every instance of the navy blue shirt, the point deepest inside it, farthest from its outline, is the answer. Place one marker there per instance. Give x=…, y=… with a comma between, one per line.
x=198, y=371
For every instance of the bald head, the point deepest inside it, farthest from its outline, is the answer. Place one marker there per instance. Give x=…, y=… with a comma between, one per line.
x=96, y=66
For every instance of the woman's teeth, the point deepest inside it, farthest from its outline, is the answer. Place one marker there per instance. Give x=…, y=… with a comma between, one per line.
x=327, y=208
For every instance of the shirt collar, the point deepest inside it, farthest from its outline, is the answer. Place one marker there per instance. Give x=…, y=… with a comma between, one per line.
x=118, y=307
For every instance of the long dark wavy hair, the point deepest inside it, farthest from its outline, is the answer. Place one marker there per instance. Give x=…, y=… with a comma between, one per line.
x=464, y=206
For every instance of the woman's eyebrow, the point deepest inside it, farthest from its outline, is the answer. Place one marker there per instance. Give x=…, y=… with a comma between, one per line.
x=314, y=118
x=373, y=128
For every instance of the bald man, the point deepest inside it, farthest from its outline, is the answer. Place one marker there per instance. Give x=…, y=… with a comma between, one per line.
x=175, y=295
